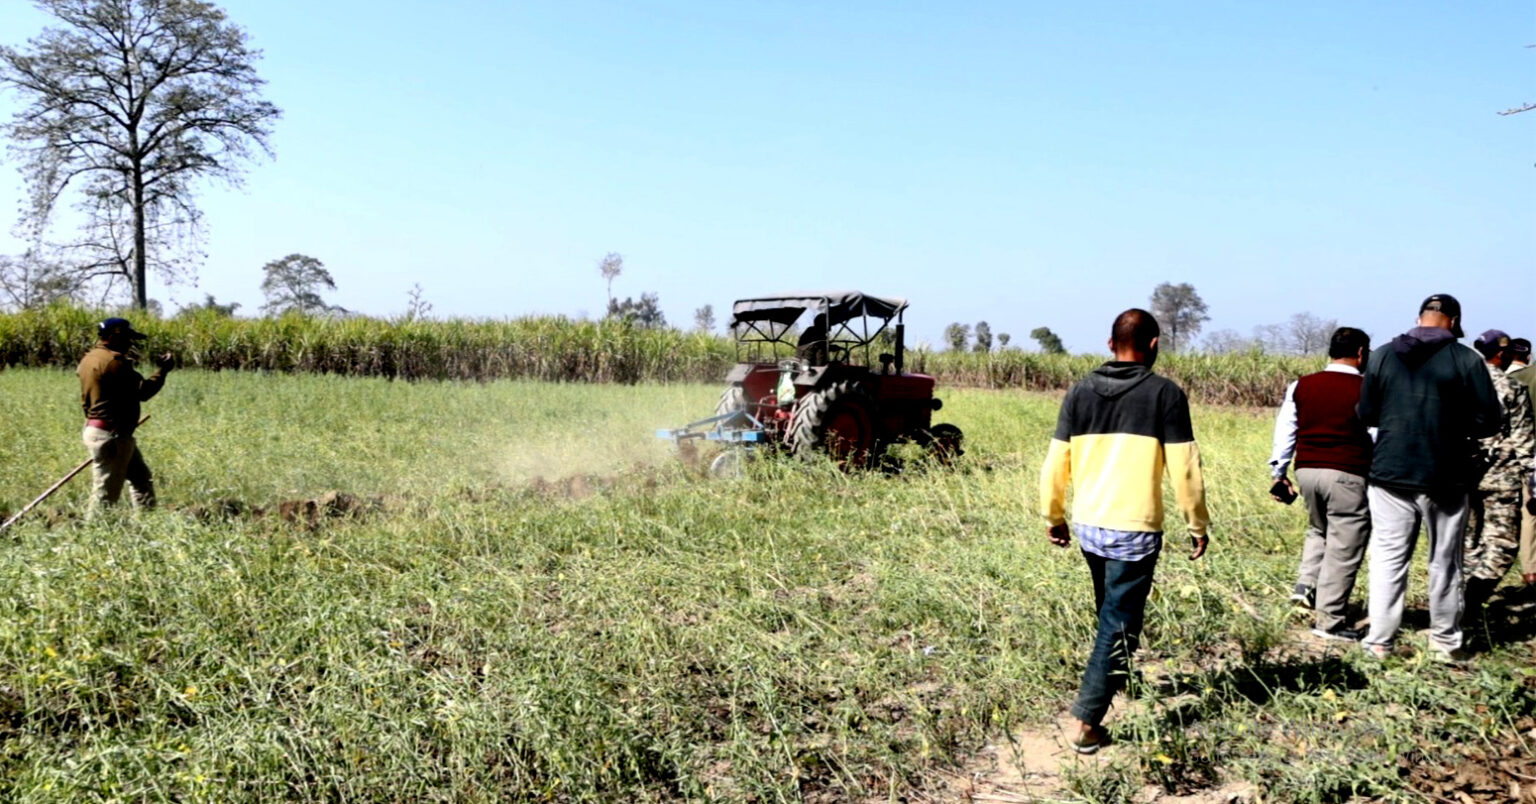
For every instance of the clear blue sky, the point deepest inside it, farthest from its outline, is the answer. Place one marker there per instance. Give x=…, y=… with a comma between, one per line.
x=1024, y=163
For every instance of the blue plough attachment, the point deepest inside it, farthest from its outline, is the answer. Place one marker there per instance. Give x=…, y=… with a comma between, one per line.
x=738, y=427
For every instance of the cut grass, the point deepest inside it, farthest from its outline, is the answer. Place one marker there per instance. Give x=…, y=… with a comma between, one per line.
x=794, y=635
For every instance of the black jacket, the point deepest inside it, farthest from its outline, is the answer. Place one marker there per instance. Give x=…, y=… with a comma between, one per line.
x=1432, y=399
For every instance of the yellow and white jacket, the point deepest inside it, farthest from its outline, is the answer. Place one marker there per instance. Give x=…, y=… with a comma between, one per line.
x=1119, y=430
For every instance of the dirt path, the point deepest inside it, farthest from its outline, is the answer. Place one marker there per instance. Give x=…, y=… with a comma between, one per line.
x=1035, y=766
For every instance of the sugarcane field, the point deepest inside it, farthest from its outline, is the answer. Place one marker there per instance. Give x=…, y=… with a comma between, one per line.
x=662, y=401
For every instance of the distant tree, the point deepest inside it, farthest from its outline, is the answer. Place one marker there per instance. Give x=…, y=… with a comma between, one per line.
x=417, y=307
x=28, y=282
x=1230, y=341
x=610, y=266
x=134, y=100
x=210, y=305
x=957, y=335
x=294, y=284
x=1306, y=334
x=645, y=313
x=983, y=337
x=1048, y=340
x=1002, y=340
x=704, y=318
x=1180, y=311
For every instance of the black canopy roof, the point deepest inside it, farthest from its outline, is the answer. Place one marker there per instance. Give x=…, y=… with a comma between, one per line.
x=841, y=306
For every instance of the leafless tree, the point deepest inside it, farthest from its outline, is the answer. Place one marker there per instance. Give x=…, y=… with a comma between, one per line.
x=29, y=281
x=1306, y=334
x=131, y=102
x=704, y=318
x=610, y=266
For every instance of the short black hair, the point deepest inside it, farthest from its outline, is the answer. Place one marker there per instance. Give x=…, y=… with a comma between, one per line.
x=1135, y=328
x=1347, y=342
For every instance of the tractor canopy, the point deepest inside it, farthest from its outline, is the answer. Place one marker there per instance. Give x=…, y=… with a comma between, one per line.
x=839, y=306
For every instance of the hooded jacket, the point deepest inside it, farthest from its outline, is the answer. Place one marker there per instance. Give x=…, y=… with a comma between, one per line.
x=1118, y=431
x=1431, y=398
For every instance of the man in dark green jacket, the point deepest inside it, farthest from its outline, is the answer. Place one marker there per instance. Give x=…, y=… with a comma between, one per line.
x=1432, y=399
x=110, y=393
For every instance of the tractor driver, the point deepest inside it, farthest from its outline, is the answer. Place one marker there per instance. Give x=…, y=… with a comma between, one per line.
x=812, y=347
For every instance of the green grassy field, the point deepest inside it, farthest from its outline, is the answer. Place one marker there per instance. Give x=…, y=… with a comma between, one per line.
x=546, y=607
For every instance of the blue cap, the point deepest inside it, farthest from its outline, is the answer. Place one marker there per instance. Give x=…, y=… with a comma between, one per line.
x=118, y=326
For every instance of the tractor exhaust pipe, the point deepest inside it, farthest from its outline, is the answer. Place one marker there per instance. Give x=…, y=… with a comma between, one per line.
x=901, y=347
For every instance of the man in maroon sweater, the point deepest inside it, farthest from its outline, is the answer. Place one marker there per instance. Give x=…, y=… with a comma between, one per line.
x=1319, y=428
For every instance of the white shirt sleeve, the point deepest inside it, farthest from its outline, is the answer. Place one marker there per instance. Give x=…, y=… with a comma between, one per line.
x=1285, y=435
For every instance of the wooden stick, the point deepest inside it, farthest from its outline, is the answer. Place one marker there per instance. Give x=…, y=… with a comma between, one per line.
x=51, y=489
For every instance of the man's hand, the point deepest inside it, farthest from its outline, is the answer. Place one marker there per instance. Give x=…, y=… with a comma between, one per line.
x=1198, y=545
x=1289, y=487
x=1059, y=535
x=165, y=361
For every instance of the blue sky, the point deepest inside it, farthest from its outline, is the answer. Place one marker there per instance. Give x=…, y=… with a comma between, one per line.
x=1024, y=163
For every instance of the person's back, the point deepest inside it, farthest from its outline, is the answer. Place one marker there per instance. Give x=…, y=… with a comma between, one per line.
x=1117, y=432
x=1430, y=398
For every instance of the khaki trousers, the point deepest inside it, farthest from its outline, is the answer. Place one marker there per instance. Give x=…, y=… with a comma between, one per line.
x=114, y=459
x=1340, y=528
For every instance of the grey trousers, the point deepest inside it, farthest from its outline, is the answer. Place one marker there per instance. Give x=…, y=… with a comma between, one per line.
x=1395, y=518
x=1340, y=528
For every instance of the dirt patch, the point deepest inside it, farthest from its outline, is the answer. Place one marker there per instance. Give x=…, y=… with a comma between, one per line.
x=1037, y=764
x=1502, y=771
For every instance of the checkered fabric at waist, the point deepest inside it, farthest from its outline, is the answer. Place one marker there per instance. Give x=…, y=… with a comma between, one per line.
x=1118, y=545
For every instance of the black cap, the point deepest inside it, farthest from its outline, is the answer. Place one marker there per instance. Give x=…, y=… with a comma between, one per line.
x=1492, y=342
x=1447, y=305
x=118, y=326
x=1521, y=349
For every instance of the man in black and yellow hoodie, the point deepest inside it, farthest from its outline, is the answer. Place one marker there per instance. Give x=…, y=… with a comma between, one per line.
x=1119, y=430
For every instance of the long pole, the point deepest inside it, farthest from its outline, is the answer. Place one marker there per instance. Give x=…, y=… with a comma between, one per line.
x=51, y=489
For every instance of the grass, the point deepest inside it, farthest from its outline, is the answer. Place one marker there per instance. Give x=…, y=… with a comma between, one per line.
x=641, y=633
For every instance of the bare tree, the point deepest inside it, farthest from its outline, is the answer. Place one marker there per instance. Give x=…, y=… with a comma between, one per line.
x=29, y=281
x=417, y=306
x=1306, y=334
x=1180, y=311
x=610, y=266
x=294, y=284
x=704, y=318
x=132, y=101
x=1230, y=341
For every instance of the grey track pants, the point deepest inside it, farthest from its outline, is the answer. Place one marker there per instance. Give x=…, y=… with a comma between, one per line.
x=1336, y=539
x=1395, y=519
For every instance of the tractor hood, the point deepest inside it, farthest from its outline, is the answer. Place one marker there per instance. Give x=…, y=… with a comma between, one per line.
x=841, y=305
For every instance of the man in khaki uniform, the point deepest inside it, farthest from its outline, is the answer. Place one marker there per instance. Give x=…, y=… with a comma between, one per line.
x=110, y=393
x=1521, y=371
x=1493, y=534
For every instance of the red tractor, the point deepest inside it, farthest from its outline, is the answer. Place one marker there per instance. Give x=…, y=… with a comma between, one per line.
x=804, y=383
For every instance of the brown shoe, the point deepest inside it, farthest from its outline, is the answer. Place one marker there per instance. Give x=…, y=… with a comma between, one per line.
x=1090, y=739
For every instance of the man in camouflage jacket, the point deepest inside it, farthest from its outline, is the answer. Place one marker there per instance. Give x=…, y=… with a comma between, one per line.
x=1493, y=535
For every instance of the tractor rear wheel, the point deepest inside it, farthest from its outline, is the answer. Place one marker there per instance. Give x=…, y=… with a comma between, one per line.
x=837, y=421
x=733, y=399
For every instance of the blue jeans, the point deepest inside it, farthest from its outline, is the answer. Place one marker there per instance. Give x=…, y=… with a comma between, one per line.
x=1120, y=590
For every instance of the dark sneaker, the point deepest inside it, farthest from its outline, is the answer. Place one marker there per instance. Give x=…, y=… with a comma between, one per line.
x=1304, y=596
x=1339, y=634
x=1090, y=740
